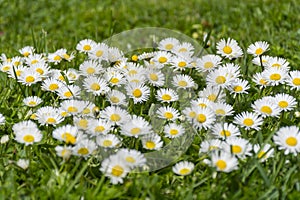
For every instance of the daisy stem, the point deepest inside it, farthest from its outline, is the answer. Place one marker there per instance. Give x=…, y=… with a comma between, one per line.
x=260, y=59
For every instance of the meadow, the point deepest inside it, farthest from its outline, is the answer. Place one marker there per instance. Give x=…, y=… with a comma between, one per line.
x=242, y=144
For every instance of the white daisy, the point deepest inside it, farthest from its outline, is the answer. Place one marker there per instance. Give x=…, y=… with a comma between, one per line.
x=184, y=49
x=99, y=126
x=132, y=157
x=260, y=80
x=162, y=57
x=183, y=168
x=90, y=68
x=180, y=63
x=51, y=84
x=223, y=161
x=208, y=63
x=135, y=127
x=26, y=51
x=29, y=77
x=84, y=148
x=261, y=60
x=293, y=79
x=155, y=77
x=168, y=44
x=285, y=102
x=222, y=109
x=278, y=63
x=225, y=130
x=248, y=120
x=229, y=49
x=115, y=115
x=32, y=101
x=204, y=118
x=73, y=107
x=239, y=86
x=116, y=97
x=99, y=52
x=166, y=95
x=173, y=130
x=210, y=145
x=183, y=81
x=266, y=108
x=86, y=46
x=48, y=115
x=96, y=86
x=68, y=92
x=263, y=152
x=66, y=133
x=202, y=102
x=258, y=48
x=275, y=76
x=238, y=146
x=108, y=141
x=152, y=142
x=64, y=151
x=288, y=139
x=213, y=94
x=138, y=92
x=28, y=136
x=168, y=113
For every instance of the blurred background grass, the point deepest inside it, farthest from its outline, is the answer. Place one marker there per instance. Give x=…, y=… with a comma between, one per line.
x=61, y=24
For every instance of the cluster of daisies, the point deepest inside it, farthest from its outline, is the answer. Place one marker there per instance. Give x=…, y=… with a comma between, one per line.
x=104, y=106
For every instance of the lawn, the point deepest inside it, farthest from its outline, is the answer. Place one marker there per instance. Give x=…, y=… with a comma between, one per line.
x=52, y=25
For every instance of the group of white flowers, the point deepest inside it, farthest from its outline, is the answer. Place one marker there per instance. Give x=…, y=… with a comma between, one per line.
x=105, y=103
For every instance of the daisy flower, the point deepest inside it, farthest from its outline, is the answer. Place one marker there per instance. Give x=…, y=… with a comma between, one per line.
x=41, y=68
x=278, y=63
x=84, y=148
x=99, y=52
x=238, y=146
x=26, y=51
x=28, y=136
x=239, y=86
x=204, y=118
x=66, y=133
x=180, y=63
x=248, y=120
x=288, y=139
x=258, y=60
x=72, y=75
x=54, y=58
x=266, y=108
x=260, y=80
x=115, y=55
x=208, y=63
x=293, y=79
x=263, y=152
x=135, y=127
x=86, y=46
x=64, y=151
x=24, y=125
x=155, y=77
x=222, y=109
x=114, y=168
x=96, y=86
x=15, y=72
x=108, y=141
x=6, y=66
x=202, y=102
x=168, y=44
x=285, y=102
x=275, y=76
x=17, y=61
x=152, y=142
x=138, y=92
x=116, y=98
x=115, y=114
x=166, y=95
x=114, y=77
x=183, y=168
x=225, y=130
x=162, y=57
x=223, y=161
x=213, y=94
x=29, y=77
x=220, y=78
x=73, y=107
x=90, y=68
x=2, y=119
x=32, y=101
x=99, y=126
x=184, y=49
x=68, y=92
x=48, y=116
x=34, y=59
x=82, y=123
x=258, y=48
x=168, y=113
x=183, y=81
x=173, y=130
x=131, y=157
x=210, y=145
x=51, y=84
x=229, y=49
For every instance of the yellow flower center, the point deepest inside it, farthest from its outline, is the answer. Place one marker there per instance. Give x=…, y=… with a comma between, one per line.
x=107, y=143
x=183, y=50
x=275, y=77
x=86, y=111
x=32, y=103
x=248, y=122
x=72, y=109
x=221, y=164
x=168, y=115
x=117, y=170
x=34, y=61
x=262, y=81
x=83, y=123
x=68, y=94
x=201, y=118
x=202, y=105
x=220, y=112
x=6, y=68
x=238, y=88
x=184, y=171
x=87, y=47
x=150, y=144
x=220, y=79
x=153, y=77
x=296, y=81
x=51, y=120
x=261, y=154
x=137, y=93
x=115, y=117
x=192, y=114
x=66, y=56
x=40, y=71
x=130, y=159
x=174, y=132
x=83, y=151
x=17, y=63
x=135, y=131
x=182, y=83
x=99, y=53
x=95, y=87
x=259, y=51
x=236, y=149
x=90, y=70
x=283, y=104
x=182, y=64
x=208, y=65
x=162, y=59
x=114, y=80
x=266, y=109
x=212, y=97
x=19, y=72
x=99, y=129
x=53, y=86
x=28, y=138
x=57, y=58
x=134, y=58
x=30, y=79
x=26, y=54
x=166, y=97
x=169, y=46
x=69, y=138
x=225, y=133
x=276, y=65
x=212, y=147
x=291, y=141
x=227, y=50
x=114, y=99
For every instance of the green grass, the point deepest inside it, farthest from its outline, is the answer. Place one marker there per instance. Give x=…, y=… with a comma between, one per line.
x=50, y=25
